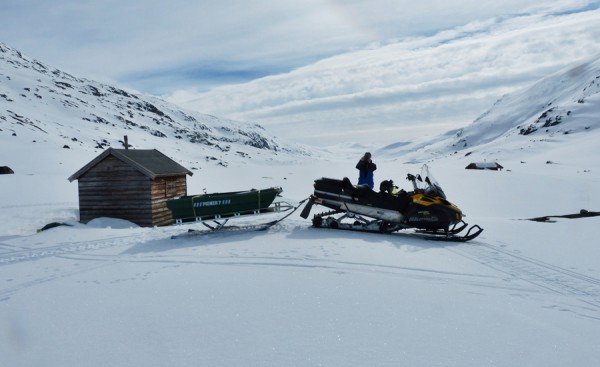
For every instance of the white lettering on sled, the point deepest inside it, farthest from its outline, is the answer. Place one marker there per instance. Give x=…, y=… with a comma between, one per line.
x=212, y=203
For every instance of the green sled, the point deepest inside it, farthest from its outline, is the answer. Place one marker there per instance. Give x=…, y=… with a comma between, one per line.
x=221, y=205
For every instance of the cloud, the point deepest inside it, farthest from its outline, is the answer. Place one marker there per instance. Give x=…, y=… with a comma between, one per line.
x=325, y=63
x=446, y=79
x=142, y=42
x=130, y=40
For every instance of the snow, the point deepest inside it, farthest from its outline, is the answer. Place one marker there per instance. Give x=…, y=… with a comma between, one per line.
x=112, y=293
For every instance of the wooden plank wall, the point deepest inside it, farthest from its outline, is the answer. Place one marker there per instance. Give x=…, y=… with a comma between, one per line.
x=114, y=189
x=165, y=188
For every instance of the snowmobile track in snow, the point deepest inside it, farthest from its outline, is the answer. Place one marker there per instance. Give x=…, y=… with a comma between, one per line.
x=64, y=248
x=6, y=293
x=549, y=277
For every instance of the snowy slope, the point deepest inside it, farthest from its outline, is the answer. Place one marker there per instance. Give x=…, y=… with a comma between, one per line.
x=563, y=103
x=560, y=109
x=43, y=105
x=109, y=293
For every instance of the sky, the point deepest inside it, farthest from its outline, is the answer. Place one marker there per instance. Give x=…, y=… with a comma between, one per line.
x=325, y=72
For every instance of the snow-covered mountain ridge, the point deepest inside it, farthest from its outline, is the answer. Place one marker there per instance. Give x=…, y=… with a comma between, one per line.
x=561, y=108
x=558, y=104
x=48, y=105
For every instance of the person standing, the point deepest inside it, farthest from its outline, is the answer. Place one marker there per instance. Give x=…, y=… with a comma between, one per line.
x=365, y=166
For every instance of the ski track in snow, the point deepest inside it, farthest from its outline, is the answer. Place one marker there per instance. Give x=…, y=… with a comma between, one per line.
x=283, y=258
x=545, y=276
x=17, y=256
x=5, y=293
x=518, y=270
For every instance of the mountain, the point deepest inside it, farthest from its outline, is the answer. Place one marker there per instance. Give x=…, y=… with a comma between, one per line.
x=561, y=108
x=42, y=104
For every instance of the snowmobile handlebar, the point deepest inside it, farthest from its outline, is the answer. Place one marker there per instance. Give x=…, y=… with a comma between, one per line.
x=412, y=178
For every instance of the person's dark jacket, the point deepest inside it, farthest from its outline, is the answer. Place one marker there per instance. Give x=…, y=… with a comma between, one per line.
x=366, y=168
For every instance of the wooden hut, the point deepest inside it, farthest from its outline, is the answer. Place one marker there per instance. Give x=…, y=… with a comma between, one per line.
x=131, y=184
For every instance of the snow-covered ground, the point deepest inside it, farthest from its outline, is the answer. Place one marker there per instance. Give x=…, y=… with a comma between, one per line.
x=109, y=293
x=112, y=294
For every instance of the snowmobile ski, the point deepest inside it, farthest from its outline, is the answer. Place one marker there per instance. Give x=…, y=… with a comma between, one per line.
x=471, y=233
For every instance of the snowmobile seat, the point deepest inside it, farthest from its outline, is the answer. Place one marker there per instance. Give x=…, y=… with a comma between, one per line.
x=344, y=186
x=362, y=190
x=329, y=185
x=355, y=190
x=347, y=185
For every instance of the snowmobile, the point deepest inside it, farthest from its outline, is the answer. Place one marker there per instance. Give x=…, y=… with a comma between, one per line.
x=359, y=208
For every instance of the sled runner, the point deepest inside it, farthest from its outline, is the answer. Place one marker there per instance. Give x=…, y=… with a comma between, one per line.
x=359, y=208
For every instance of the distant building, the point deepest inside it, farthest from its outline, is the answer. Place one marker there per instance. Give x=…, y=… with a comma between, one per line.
x=131, y=184
x=485, y=165
x=6, y=170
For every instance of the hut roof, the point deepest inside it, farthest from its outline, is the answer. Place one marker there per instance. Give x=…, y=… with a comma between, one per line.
x=150, y=162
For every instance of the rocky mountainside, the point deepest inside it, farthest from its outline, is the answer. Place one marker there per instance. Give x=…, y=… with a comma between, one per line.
x=47, y=105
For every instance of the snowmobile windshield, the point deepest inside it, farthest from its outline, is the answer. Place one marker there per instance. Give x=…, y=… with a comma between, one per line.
x=429, y=184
